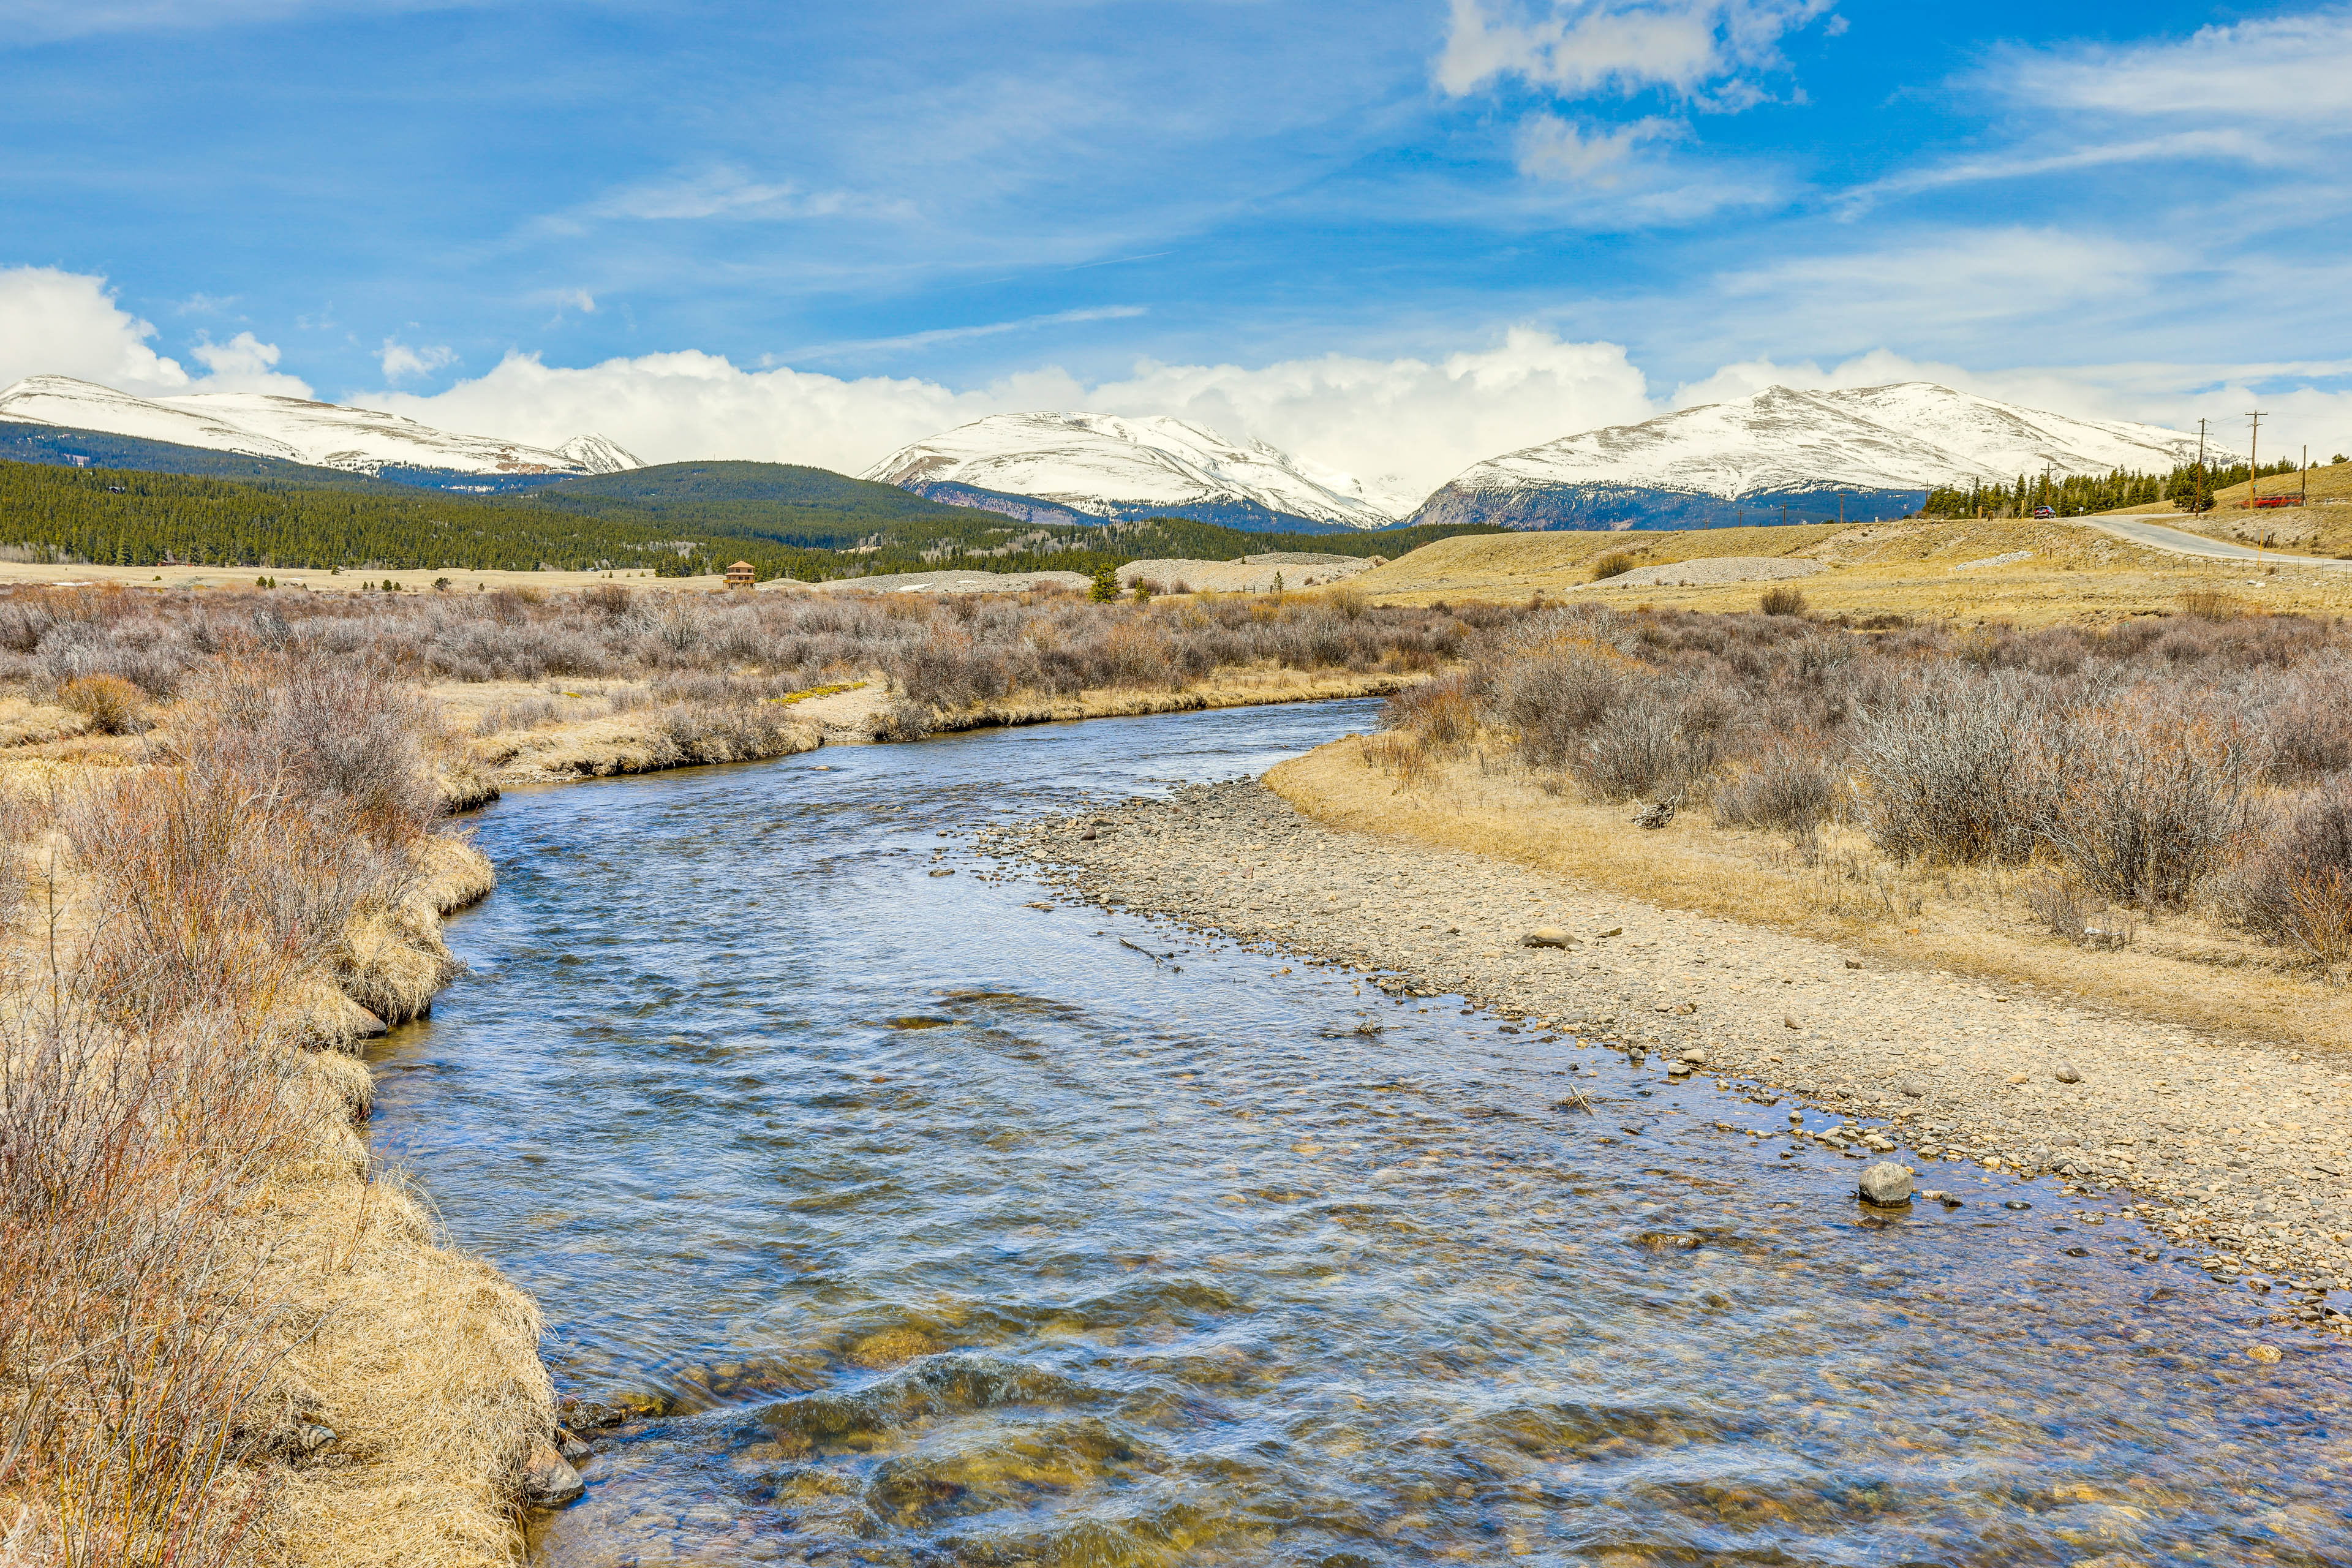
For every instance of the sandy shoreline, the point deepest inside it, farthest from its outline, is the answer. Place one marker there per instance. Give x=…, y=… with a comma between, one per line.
x=2230, y=1148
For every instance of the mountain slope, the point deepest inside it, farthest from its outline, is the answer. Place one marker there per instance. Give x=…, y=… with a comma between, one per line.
x=1872, y=451
x=1110, y=468
x=297, y=430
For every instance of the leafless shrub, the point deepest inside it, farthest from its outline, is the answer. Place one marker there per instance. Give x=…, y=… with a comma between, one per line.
x=2149, y=801
x=1616, y=563
x=608, y=599
x=1782, y=600
x=2059, y=904
x=1791, y=788
x=1552, y=696
x=2310, y=722
x=1652, y=743
x=904, y=719
x=1347, y=599
x=2297, y=890
x=1951, y=767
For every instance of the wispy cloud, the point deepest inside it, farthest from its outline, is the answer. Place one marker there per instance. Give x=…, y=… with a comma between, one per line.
x=2267, y=94
x=402, y=362
x=730, y=193
x=937, y=336
x=1706, y=51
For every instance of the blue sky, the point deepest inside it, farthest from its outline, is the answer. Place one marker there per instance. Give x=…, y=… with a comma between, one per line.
x=1383, y=233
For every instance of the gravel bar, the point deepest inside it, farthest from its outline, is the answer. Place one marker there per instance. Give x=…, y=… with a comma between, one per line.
x=2232, y=1148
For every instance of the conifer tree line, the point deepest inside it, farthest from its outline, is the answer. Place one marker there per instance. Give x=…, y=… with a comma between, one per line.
x=127, y=516
x=2078, y=495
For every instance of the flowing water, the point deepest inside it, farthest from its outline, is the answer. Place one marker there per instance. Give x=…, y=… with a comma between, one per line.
x=938, y=1228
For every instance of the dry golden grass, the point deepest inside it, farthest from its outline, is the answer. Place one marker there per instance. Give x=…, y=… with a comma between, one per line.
x=1918, y=569
x=1221, y=689
x=2181, y=969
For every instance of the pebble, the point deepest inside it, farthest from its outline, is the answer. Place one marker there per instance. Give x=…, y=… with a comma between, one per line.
x=1548, y=936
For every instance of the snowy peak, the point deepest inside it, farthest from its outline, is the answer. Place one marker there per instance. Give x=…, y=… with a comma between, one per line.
x=1109, y=467
x=297, y=430
x=1890, y=441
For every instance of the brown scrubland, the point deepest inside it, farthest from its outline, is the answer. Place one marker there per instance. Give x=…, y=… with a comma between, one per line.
x=2157, y=813
x=230, y=1337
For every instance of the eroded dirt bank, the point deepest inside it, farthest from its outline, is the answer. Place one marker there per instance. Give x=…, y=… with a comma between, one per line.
x=2234, y=1148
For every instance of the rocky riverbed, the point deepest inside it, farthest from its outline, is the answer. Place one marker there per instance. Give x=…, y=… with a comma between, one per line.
x=2234, y=1148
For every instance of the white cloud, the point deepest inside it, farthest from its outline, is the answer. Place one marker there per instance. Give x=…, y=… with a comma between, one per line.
x=1552, y=148
x=939, y=335
x=1410, y=422
x=728, y=192
x=2284, y=70
x=1697, y=49
x=54, y=323
x=244, y=363
x=401, y=362
x=2268, y=94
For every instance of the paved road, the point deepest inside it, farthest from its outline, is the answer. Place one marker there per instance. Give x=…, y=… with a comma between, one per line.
x=2185, y=544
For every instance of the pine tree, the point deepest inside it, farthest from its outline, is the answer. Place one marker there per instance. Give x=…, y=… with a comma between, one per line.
x=1106, y=585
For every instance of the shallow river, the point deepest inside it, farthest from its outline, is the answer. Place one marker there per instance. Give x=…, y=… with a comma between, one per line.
x=946, y=1229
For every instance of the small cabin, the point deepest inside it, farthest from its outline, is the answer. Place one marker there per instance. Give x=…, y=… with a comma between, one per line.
x=740, y=576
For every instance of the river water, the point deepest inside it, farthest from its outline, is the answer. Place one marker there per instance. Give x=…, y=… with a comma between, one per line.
x=938, y=1228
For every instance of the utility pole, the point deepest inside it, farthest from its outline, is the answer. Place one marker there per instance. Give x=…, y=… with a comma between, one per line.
x=2306, y=473
x=2254, y=457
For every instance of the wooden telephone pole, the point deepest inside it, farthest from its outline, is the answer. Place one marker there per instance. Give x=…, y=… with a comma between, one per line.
x=2254, y=456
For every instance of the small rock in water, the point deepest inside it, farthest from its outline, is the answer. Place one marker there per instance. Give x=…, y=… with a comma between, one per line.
x=1695, y=1056
x=547, y=1479
x=2065, y=1073
x=943, y=873
x=2264, y=1353
x=1887, y=1184
x=1548, y=936
x=1668, y=1240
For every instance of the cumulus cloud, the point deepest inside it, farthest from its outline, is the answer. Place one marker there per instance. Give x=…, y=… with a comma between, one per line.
x=401, y=362
x=1402, y=425
x=1703, y=50
x=54, y=323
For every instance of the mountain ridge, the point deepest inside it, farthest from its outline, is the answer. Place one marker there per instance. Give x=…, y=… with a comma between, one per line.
x=1864, y=450
x=308, y=432
x=1118, y=468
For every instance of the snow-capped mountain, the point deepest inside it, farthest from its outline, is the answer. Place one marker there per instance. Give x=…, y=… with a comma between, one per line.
x=1102, y=466
x=1880, y=448
x=297, y=430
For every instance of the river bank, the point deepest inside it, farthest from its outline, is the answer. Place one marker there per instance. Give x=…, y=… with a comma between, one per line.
x=2235, y=1148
